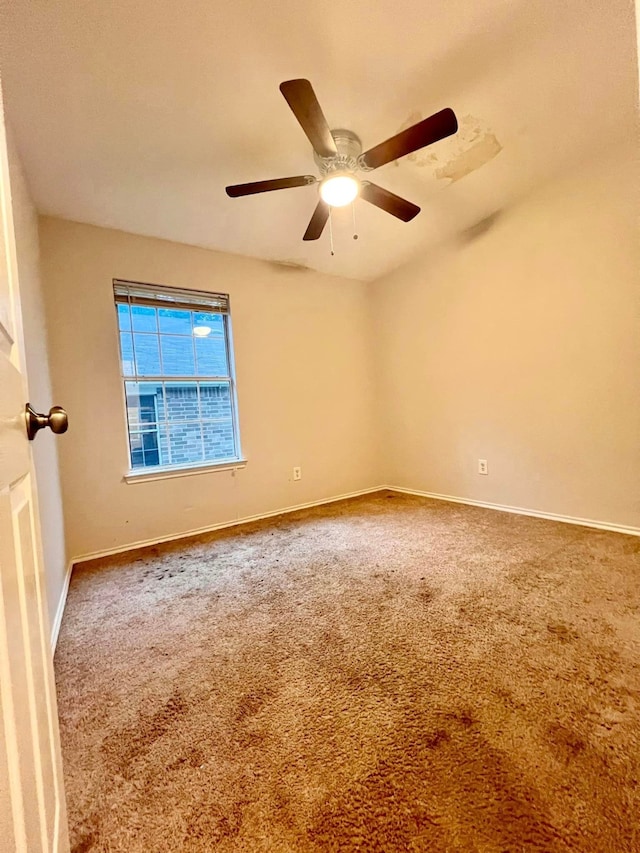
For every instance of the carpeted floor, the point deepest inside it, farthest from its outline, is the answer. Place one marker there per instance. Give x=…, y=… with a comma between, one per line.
x=384, y=674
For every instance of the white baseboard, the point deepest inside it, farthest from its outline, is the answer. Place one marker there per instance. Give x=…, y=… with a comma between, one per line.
x=143, y=543
x=57, y=620
x=550, y=516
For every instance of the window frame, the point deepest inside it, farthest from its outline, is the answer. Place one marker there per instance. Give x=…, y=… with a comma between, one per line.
x=190, y=302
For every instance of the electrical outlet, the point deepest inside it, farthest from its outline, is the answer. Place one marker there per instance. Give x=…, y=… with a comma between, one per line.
x=297, y=473
x=482, y=466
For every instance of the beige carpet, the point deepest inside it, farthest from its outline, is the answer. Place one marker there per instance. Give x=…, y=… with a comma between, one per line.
x=383, y=674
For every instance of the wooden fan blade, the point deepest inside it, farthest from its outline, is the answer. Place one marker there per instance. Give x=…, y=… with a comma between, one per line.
x=426, y=132
x=392, y=203
x=305, y=107
x=318, y=221
x=267, y=186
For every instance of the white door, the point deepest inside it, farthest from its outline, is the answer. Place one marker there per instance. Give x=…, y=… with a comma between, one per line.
x=32, y=811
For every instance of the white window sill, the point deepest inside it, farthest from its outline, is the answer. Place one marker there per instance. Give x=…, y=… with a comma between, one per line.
x=168, y=473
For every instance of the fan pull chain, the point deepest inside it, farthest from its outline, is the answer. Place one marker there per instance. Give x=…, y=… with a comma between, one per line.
x=353, y=211
x=331, y=232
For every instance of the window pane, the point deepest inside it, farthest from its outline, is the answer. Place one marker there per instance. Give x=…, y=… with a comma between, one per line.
x=186, y=443
x=126, y=353
x=177, y=355
x=144, y=318
x=215, y=400
x=147, y=355
x=124, y=318
x=174, y=321
x=218, y=440
x=211, y=353
x=217, y=426
x=205, y=319
x=137, y=457
x=150, y=448
x=144, y=449
x=163, y=445
x=145, y=404
x=181, y=401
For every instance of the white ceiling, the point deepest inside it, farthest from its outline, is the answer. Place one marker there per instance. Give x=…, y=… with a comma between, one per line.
x=135, y=114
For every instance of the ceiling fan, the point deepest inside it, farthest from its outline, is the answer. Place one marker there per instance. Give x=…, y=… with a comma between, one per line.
x=338, y=155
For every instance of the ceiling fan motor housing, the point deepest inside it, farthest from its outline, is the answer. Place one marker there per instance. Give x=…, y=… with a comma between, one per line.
x=346, y=160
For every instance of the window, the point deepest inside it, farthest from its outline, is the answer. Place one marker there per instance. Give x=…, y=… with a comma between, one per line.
x=177, y=370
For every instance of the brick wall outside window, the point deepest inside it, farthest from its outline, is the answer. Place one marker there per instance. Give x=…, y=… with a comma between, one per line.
x=186, y=441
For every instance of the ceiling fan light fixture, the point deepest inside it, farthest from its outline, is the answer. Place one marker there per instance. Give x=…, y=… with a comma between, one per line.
x=338, y=190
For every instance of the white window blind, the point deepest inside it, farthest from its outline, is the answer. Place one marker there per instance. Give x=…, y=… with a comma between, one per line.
x=135, y=293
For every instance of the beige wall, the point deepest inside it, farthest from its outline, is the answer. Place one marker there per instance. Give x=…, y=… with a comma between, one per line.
x=520, y=344
x=304, y=373
x=45, y=450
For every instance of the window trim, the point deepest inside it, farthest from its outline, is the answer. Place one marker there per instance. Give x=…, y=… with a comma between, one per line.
x=159, y=472
x=189, y=303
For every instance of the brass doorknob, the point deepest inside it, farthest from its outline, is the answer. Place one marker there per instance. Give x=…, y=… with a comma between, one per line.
x=56, y=420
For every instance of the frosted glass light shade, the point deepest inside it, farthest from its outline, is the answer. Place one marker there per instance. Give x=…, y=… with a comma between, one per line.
x=339, y=190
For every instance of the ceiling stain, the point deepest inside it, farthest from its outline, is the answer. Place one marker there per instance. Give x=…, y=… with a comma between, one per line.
x=453, y=158
x=479, y=229
x=289, y=266
x=481, y=152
